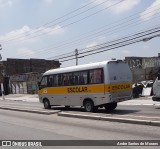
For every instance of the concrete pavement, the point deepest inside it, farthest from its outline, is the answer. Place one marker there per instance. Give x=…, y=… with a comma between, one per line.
x=22, y=97
x=141, y=101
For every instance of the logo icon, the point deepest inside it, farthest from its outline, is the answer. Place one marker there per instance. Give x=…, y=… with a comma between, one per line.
x=6, y=143
x=44, y=91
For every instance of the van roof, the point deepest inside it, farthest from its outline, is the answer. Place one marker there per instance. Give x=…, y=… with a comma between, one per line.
x=80, y=67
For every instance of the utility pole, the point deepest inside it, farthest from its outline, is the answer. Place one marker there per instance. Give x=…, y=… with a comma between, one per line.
x=76, y=54
x=2, y=88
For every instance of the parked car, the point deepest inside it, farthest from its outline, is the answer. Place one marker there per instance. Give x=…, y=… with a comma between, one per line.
x=143, y=88
x=137, y=89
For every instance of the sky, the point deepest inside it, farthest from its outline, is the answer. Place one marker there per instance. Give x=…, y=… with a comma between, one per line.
x=48, y=28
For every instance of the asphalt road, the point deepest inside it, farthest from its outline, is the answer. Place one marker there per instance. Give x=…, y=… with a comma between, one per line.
x=30, y=126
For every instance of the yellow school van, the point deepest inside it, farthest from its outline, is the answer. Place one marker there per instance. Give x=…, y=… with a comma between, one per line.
x=91, y=86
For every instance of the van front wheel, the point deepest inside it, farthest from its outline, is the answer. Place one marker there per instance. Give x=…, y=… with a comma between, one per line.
x=46, y=104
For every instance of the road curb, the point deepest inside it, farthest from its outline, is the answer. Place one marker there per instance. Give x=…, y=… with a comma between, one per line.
x=46, y=112
x=139, y=104
x=112, y=119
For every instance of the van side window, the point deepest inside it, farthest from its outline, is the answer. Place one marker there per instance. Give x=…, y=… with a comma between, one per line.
x=60, y=80
x=96, y=76
x=80, y=78
x=50, y=81
x=83, y=78
x=70, y=79
x=55, y=80
x=76, y=76
x=65, y=79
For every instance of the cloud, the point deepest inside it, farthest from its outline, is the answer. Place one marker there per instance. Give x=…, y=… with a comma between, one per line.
x=101, y=38
x=26, y=33
x=122, y=7
x=52, y=30
x=149, y=12
x=6, y=3
x=48, y=1
x=146, y=47
x=126, y=51
x=91, y=44
x=25, y=52
x=125, y=6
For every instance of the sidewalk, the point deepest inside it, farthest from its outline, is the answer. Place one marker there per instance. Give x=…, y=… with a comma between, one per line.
x=22, y=97
x=141, y=101
x=34, y=98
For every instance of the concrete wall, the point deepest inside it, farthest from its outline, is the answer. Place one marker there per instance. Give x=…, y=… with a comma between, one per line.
x=144, y=68
x=24, y=83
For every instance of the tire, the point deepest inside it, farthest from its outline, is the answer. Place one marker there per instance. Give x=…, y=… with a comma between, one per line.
x=89, y=106
x=46, y=104
x=110, y=106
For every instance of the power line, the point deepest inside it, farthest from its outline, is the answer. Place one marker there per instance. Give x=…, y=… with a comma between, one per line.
x=72, y=16
x=129, y=43
x=131, y=20
x=67, y=24
x=62, y=16
x=70, y=12
x=113, y=30
x=131, y=40
x=122, y=40
x=70, y=52
x=102, y=31
x=151, y=31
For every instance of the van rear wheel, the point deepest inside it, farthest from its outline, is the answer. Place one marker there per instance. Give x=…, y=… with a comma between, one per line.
x=46, y=104
x=88, y=106
x=110, y=106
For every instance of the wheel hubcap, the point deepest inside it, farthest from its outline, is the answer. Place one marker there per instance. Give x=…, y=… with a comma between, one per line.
x=46, y=104
x=88, y=107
